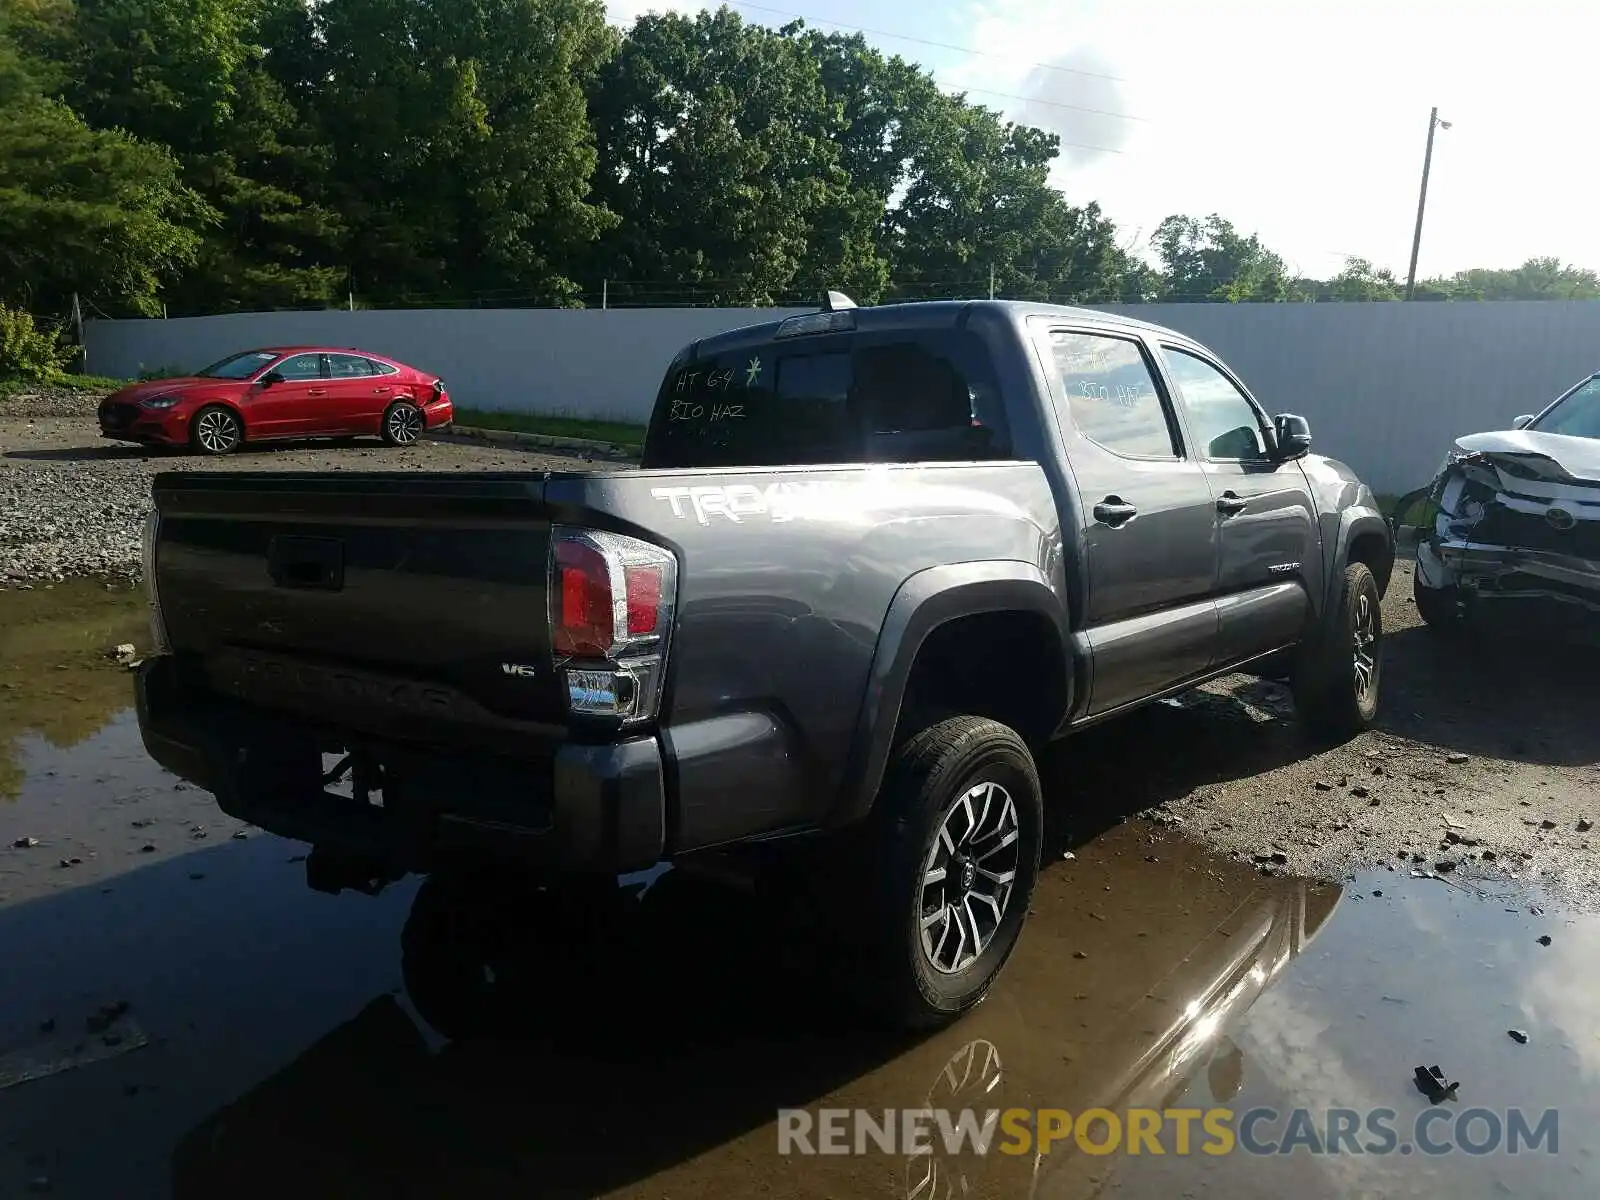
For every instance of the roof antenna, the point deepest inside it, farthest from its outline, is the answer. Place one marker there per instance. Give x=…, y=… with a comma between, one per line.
x=837, y=301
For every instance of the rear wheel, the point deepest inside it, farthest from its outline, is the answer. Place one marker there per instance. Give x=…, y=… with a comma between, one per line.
x=216, y=430
x=402, y=423
x=948, y=862
x=1336, y=682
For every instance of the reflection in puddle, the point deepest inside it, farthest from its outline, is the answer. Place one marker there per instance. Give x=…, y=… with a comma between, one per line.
x=56, y=683
x=475, y=1039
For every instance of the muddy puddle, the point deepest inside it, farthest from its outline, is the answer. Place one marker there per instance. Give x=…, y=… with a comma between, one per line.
x=192, y=1021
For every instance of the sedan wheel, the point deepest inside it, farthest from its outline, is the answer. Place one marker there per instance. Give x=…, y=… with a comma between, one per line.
x=216, y=430
x=402, y=424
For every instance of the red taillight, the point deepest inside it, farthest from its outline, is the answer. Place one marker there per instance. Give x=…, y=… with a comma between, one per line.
x=584, y=618
x=611, y=603
x=644, y=599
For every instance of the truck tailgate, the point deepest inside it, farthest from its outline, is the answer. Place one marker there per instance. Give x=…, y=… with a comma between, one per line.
x=373, y=599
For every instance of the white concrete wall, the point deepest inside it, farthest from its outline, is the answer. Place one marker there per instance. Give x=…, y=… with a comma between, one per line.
x=1385, y=386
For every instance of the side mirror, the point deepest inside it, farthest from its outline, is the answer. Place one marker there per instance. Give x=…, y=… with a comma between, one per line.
x=1523, y=421
x=270, y=378
x=1293, y=435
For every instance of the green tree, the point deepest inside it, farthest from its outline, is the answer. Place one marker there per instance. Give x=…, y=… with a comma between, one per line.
x=1358, y=280
x=1208, y=259
x=979, y=197
x=1535, y=279
x=461, y=151
x=93, y=211
x=718, y=151
x=198, y=77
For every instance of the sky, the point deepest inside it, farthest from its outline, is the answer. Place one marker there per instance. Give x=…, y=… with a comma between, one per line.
x=1303, y=121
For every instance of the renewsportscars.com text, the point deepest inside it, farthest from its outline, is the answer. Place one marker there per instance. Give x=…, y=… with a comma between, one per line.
x=1178, y=1131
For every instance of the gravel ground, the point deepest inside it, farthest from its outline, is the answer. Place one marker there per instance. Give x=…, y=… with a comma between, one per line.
x=1485, y=764
x=71, y=502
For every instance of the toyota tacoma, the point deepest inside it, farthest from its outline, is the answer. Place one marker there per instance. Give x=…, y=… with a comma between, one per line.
x=873, y=561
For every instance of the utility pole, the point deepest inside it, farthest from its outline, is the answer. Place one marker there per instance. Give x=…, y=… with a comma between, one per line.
x=991, y=281
x=605, y=297
x=1422, y=199
x=77, y=321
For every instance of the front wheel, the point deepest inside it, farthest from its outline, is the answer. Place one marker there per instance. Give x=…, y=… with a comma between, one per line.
x=1336, y=681
x=402, y=423
x=1439, y=608
x=216, y=430
x=951, y=855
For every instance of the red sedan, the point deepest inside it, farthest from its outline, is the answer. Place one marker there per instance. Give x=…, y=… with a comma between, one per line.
x=280, y=392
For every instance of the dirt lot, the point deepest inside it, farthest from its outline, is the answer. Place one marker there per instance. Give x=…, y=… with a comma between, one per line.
x=71, y=501
x=1486, y=760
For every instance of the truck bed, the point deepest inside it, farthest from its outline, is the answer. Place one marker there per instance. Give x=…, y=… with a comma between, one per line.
x=410, y=614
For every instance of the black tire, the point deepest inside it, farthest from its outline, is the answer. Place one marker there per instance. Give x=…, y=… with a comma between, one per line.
x=480, y=949
x=403, y=424
x=452, y=941
x=925, y=784
x=1438, y=607
x=216, y=429
x=1335, y=700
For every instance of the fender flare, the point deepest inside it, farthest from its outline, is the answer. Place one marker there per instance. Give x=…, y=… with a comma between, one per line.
x=1355, y=522
x=925, y=601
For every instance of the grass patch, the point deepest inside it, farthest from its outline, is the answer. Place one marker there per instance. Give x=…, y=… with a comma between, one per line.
x=621, y=433
x=87, y=383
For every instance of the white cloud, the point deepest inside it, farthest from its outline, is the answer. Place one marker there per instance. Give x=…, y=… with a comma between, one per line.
x=1305, y=122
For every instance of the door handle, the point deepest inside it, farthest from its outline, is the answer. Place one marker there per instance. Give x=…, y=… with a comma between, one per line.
x=1229, y=503
x=316, y=391
x=381, y=388
x=1115, y=511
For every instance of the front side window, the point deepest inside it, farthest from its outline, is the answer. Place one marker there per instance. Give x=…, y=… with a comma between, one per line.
x=238, y=366
x=300, y=366
x=1578, y=415
x=1111, y=395
x=1225, y=424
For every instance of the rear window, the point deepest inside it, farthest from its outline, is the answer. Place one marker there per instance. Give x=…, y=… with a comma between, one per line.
x=831, y=399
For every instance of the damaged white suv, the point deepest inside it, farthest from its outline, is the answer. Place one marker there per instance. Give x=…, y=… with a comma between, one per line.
x=1511, y=526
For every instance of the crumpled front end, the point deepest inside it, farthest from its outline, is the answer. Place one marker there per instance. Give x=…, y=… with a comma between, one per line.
x=1512, y=536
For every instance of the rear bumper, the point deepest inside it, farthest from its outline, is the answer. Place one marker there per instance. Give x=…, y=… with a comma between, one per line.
x=438, y=414
x=584, y=809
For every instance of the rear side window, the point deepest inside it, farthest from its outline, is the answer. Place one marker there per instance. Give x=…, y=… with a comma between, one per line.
x=1111, y=394
x=851, y=398
x=348, y=366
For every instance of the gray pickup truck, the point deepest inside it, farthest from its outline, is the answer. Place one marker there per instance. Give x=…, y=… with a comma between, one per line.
x=872, y=562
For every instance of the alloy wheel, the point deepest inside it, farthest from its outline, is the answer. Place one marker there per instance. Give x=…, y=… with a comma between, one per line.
x=405, y=425
x=1365, y=647
x=217, y=431
x=968, y=876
